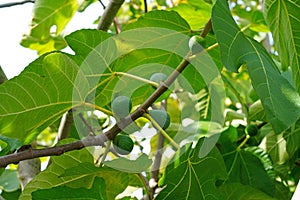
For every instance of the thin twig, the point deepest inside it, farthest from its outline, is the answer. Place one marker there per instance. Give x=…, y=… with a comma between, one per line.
x=145, y=6
x=109, y=14
x=98, y=140
x=91, y=130
x=102, y=4
x=5, y=5
x=158, y=156
x=207, y=28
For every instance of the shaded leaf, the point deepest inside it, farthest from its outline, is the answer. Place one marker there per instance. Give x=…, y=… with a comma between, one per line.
x=284, y=20
x=76, y=170
x=96, y=192
x=275, y=145
x=192, y=177
x=51, y=176
x=139, y=165
x=282, y=191
x=245, y=168
x=264, y=158
x=257, y=112
x=228, y=140
x=237, y=191
x=49, y=20
x=292, y=138
x=279, y=98
x=116, y=181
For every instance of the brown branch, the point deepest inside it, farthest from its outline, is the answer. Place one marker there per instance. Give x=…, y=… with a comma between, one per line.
x=98, y=140
x=207, y=28
x=158, y=157
x=5, y=5
x=109, y=14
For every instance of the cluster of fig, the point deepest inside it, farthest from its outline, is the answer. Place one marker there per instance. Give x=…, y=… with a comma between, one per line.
x=121, y=107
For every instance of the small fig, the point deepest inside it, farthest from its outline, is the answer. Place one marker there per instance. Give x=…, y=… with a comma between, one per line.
x=161, y=117
x=123, y=144
x=158, y=77
x=196, y=44
x=252, y=129
x=121, y=106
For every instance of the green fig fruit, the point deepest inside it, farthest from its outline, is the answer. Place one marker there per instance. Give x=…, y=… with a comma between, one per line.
x=158, y=77
x=252, y=129
x=123, y=144
x=121, y=106
x=161, y=117
x=196, y=44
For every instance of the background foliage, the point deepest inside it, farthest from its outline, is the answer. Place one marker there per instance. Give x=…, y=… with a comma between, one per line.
x=256, y=51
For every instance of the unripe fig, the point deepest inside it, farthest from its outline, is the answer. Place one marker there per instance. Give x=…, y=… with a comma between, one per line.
x=196, y=44
x=121, y=106
x=123, y=144
x=161, y=117
x=158, y=77
x=252, y=129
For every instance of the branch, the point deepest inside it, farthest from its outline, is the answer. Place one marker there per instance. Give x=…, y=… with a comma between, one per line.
x=98, y=140
x=109, y=14
x=5, y=5
x=65, y=125
x=157, y=157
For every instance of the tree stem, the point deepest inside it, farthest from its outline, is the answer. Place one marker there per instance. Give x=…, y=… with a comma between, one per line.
x=109, y=14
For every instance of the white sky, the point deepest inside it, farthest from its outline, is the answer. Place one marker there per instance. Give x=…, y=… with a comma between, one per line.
x=14, y=22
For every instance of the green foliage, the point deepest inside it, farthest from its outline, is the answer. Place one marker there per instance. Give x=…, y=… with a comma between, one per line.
x=139, y=165
x=283, y=20
x=273, y=89
x=9, y=181
x=232, y=90
x=184, y=175
x=47, y=16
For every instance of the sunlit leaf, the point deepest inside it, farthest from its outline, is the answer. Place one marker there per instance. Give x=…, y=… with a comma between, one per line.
x=42, y=92
x=49, y=20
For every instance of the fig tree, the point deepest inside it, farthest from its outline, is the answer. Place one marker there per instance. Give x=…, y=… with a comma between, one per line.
x=123, y=144
x=196, y=44
x=161, y=117
x=121, y=106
